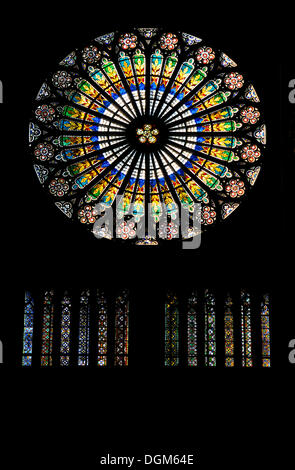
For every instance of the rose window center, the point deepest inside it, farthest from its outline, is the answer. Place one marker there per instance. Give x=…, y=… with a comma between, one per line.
x=147, y=134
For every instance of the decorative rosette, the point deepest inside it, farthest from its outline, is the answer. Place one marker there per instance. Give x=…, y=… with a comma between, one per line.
x=152, y=124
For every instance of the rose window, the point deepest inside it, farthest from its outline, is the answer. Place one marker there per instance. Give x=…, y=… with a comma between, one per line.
x=149, y=123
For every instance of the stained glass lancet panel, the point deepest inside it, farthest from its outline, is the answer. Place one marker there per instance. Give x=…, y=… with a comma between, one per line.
x=122, y=328
x=83, y=345
x=246, y=333
x=192, y=330
x=102, y=319
x=210, y=329
x=47, y=329
x=28, y=330
x=265, y=331
x=171, y=331
x=66, y=309
x=229, y=332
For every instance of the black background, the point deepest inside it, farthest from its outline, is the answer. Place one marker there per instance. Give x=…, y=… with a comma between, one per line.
x=233, y=417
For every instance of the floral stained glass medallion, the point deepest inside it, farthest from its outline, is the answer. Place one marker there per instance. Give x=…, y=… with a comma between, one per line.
x=150, y=123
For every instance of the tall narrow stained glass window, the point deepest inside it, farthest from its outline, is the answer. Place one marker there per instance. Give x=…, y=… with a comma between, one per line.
x=102, y=319
x=192, y=330
x=66, y=307
x=84, y=319
x=28, y=330
x=229, y=332
x=122, y=329
x=47, y=329
x=265, y=331
x=210, y=329
x=246, y=327
x=158, y=117
x=171, y=330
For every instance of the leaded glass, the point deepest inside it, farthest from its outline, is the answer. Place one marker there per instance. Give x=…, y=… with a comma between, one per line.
x=66, y=309
x=229, y=332
x=122, y=328
x=47, y=329
x=247, y=360
x=210, y=329
x=28, y=330
x=265, y=331
x=83, y=345
x=102, y=319
x=192, y=330
x=161, y=118
x=171, y=331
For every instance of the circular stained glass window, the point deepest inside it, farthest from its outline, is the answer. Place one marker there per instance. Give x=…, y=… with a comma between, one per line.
x=151, y=125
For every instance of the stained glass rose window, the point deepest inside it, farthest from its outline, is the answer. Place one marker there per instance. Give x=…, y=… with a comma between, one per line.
x=156, y=121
